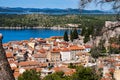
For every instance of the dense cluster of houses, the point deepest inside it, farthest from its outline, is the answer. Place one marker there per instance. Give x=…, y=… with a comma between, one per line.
x=54, y=54
x=40, y=54
x=109, y=66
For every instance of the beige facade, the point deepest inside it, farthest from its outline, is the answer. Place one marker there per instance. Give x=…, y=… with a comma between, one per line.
x=54, y=55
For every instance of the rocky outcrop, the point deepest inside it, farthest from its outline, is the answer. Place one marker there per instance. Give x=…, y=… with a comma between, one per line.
x=111, y=29
x=5, y=70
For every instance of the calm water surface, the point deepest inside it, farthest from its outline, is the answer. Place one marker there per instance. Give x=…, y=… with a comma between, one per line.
x=26, y=34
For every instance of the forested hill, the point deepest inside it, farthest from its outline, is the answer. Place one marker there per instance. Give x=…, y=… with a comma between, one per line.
x=39, y=20
x=49, y=11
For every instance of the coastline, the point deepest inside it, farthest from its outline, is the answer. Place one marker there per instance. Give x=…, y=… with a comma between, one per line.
x=39, y=27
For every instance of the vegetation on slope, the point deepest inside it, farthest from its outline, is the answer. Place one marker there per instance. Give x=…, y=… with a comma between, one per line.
x=35, y=20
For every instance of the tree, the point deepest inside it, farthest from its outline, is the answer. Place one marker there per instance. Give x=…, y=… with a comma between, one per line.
x=95, y=53
x=75, y=34
x=102, y=47
x=5, y=70
x=67, y=78
x=83, y=31
x=85, y=73
x=82, y=73
x=60, y=74
x=86, y=38
x=52, y=77
x=114, y=50
x=115, y=5
x=30, y=75
x=66, y=36
x=90, y=30
x=71, y=35
x=55, y=76
x=71, y=65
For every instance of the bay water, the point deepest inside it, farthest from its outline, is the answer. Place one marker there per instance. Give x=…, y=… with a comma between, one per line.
x=26, y=34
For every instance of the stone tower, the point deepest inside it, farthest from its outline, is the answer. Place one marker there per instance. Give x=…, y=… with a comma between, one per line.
x=5, y=70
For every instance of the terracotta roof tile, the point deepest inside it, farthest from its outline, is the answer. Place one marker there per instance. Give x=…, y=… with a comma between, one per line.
x=101, y=65
x=105, y=78
x=88, y=46
x=16, y=74
x=65, y=49
x=17, y=70
x=4, y=45
x=83, y=53
x=75, y=47
x=108, y=74
x=118, y=57
x=9, y=55
x=39, y=55
x=56, y=37
x=66, y=70
x=28, y=63
x=55, y=50
x=38, y=69
x=42, y=50
x=114, y=45
x=117, y=64
x=111, y=70
x=43, y=64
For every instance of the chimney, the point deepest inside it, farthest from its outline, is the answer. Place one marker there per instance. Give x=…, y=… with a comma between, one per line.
x=5, y=70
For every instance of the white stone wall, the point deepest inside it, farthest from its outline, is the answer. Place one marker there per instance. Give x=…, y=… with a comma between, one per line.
x=65, y=56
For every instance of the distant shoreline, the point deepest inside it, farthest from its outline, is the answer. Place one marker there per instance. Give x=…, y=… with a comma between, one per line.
x=39, y=27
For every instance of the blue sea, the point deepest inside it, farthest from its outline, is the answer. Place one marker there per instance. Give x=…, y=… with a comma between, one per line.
x=26, y=34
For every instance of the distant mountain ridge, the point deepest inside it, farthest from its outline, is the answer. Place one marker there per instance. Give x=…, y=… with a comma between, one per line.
x=48, y=10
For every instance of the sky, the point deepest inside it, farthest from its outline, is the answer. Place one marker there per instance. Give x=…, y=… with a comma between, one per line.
x=62, y=4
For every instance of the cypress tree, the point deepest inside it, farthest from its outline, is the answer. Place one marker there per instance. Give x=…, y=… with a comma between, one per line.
x=86, y=38
x=66, y=36
x=83, y=31
x=75, y=34
x=71, y=35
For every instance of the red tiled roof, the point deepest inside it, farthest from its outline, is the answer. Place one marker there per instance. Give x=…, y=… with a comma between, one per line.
x=42, y=50
x=16, y=74
x=105, y=78
x=57, y=37
x=114, y=45
x=13, y=68
x=64, y=43
x=39, y=55
x=111, y=70
x=100, y=65
x=75, y=47
x=65, y=49
x=55, y=43
x=66, y=70
x=118, y=57
x=88, y=46
x=108, y=74
x=9, y=55
x=55, y=50
x=42, y=41
x=29, y=63
x=5, y=44
x=38, y=69
x=82, y=53
x=17, y=70
x=43, y=64
x=117, y=64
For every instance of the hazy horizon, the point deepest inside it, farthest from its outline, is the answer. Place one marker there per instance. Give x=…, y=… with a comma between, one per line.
x=60, y=4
